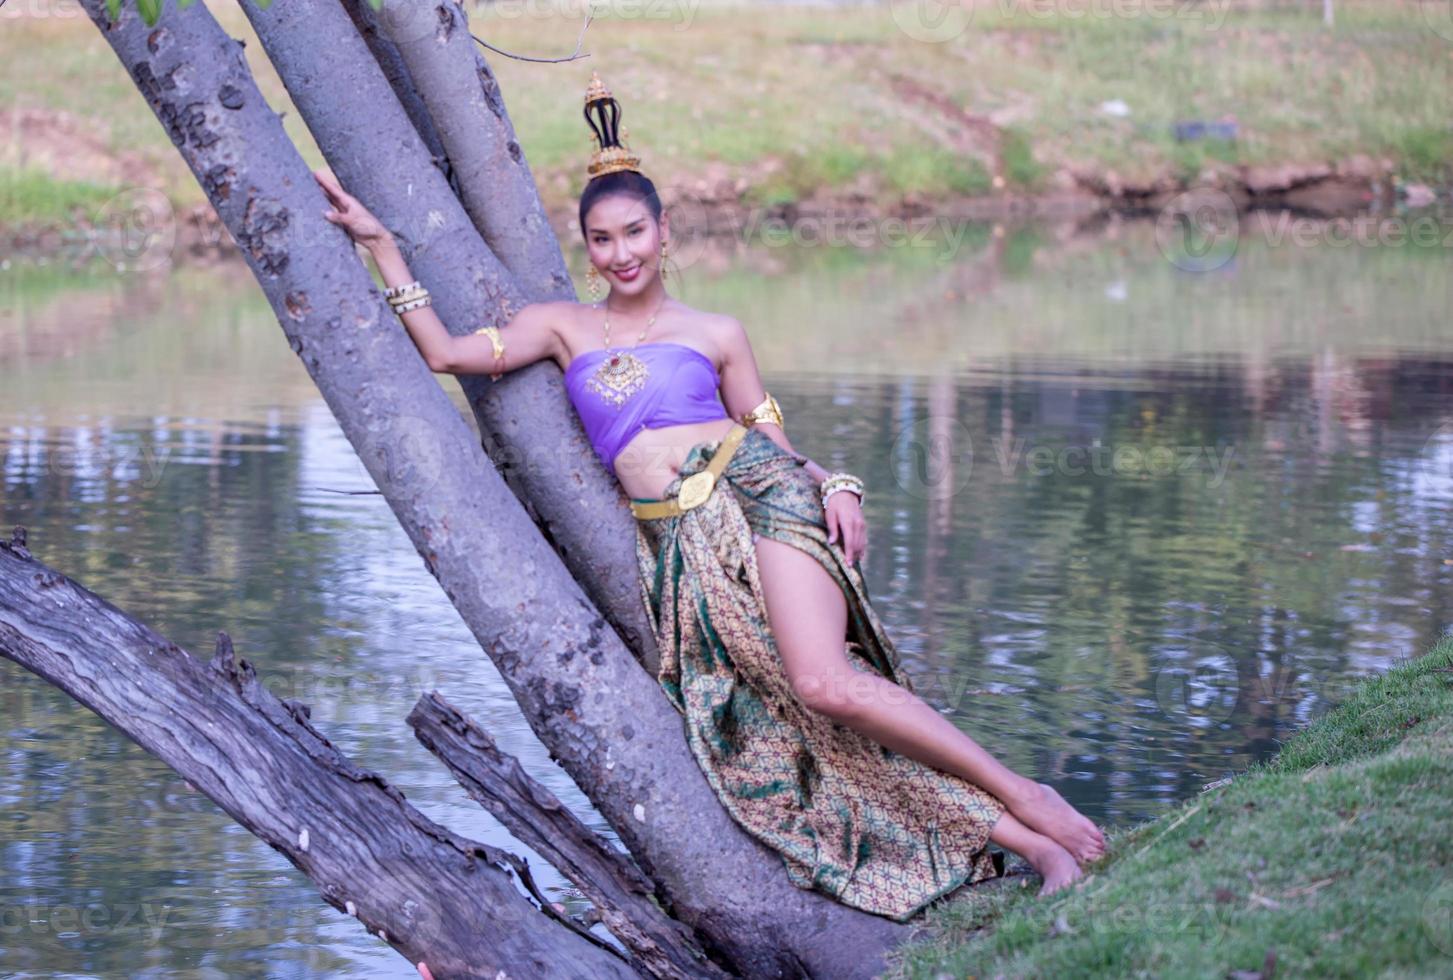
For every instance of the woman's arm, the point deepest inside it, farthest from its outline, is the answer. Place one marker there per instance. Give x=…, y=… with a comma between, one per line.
x=530, y=335
x=742, y=390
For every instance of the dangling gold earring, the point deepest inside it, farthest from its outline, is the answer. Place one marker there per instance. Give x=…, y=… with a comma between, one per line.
x=592, y=281
x=663, y=260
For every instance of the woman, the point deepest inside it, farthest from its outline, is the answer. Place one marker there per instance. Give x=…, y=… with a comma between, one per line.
x=795, y=706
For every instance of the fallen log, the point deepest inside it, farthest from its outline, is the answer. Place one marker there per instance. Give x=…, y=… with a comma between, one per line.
x=432, y=895
x=537, y=818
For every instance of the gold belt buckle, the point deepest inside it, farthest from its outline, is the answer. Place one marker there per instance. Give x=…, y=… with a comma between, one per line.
x=695, y=489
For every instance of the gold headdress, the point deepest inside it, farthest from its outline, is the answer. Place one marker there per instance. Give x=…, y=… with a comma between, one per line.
x=611, y=153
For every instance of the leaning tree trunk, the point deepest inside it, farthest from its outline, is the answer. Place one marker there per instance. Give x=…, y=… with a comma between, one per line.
x=531, y=433
x=389, y=59
x=454, y=84
x=602, y=717
x=434, y=896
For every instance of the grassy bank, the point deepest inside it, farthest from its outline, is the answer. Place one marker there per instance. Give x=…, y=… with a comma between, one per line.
x=1335, y=859
x=779, y=102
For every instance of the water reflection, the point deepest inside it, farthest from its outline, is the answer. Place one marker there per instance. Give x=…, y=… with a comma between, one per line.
x=1131, y=527
x=1138, y=581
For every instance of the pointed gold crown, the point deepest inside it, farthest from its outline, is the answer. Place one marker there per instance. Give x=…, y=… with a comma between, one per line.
x=611, y=153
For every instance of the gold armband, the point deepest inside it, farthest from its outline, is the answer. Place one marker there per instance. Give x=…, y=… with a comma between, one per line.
x=499, y=347
x=768, y=411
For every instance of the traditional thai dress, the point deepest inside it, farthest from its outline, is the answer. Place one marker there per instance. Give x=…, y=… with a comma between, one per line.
x=875, y=829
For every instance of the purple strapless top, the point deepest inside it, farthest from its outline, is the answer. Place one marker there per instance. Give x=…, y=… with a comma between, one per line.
x=681, y=387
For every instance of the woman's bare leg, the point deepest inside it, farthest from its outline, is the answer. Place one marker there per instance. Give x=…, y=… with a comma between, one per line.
x=808, y=615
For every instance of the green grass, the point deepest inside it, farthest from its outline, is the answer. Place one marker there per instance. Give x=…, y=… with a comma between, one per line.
x=800, y=100
x=1426, y=150
x=1021, y=169
x=933, y=171
x=1334, y=858
x=29, y=195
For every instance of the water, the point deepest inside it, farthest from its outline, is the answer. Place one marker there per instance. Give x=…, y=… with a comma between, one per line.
x=1131, y=526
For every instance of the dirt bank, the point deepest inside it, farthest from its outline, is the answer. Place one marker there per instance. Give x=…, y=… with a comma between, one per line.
x=136, y=221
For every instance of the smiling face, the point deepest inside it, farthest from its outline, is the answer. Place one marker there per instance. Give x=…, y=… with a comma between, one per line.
x=624, y=242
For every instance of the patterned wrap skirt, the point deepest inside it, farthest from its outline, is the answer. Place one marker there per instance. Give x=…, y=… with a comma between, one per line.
x=851, y=818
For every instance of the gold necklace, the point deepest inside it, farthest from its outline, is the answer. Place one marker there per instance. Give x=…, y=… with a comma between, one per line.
x=622, y=374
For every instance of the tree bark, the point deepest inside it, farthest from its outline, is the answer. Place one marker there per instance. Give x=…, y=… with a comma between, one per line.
x=387, y=56
x=603, y=718
x=537, y=818
x=432, y=895
x=529, y=429
x=466, y=107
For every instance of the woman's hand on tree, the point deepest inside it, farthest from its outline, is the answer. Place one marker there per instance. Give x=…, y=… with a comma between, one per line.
x=846, y=525
x=349, y=213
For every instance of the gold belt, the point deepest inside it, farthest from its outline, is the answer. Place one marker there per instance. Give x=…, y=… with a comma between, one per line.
x=698, y=486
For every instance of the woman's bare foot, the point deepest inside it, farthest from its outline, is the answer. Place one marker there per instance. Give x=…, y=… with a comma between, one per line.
x=1042, y=808
x=1055, y=865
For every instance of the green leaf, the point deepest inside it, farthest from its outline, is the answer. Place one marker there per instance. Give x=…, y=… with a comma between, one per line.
x=150, y=10
x=113, y=9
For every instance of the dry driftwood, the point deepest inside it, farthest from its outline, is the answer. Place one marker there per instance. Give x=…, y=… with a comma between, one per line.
x=535, y=816
x=434, y=896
